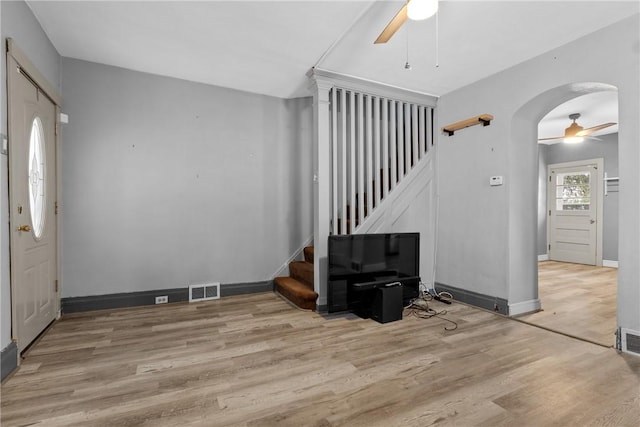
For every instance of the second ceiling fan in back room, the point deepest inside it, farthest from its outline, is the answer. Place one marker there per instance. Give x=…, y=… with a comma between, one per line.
x=416, y=10
x=576, y=133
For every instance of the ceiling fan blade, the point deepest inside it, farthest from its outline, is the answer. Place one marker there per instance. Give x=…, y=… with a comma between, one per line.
x=589, y=131
x=551, y=139
x=393, y=26
x=562, y=138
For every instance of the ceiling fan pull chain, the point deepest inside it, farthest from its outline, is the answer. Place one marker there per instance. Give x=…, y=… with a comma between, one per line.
x=407, y=66
x=437, y=39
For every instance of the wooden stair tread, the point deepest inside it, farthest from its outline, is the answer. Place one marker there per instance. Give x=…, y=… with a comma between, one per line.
x=298, y=287
x=308, y=254
x=302, y=271
x=297, y=292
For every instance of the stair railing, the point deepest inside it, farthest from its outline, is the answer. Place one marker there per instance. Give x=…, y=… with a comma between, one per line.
x=375, y=142
x=367, y=137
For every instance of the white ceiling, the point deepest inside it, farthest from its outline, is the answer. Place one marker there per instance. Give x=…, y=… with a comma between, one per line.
x=267, y=47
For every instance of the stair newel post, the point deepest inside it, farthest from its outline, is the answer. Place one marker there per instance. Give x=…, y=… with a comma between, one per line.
x=322, y=183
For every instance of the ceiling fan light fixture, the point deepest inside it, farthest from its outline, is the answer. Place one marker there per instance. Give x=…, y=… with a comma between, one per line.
x=573, y=140
x=573, y=130
x=418, y=10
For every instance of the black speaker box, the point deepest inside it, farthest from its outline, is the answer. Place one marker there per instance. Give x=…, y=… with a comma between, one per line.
x=387, y=304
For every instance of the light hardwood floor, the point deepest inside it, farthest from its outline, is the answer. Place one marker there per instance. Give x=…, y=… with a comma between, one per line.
x=578, y=300
x=255, y=361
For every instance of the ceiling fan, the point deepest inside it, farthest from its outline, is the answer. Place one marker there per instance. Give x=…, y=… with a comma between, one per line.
x=416, y=10
x=576, y=133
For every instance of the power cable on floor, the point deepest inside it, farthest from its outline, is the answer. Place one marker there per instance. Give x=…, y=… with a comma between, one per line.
x=419, y=307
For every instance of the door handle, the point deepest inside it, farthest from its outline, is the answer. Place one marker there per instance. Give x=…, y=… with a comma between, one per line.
x=592, y=221
x=24, y=228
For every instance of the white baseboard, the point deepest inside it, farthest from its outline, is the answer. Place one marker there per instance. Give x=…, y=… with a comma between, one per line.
x=605, y=262
x=524, y=307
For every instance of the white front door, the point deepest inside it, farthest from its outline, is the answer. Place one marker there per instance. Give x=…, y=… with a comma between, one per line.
x=574, y=212
x=32, y=196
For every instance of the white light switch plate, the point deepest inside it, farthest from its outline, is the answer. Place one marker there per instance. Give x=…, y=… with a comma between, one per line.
x=495, y=180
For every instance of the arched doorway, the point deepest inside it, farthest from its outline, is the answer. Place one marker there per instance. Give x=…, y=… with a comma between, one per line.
x=570, y=312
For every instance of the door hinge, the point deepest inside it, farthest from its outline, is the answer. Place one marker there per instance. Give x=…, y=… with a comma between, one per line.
x=549, y=178
x=549, y=211
x=55, y=285
x=549, y=246
x=56, y=207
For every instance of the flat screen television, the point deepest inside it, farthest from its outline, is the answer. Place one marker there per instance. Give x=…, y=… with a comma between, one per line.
x=359, y=262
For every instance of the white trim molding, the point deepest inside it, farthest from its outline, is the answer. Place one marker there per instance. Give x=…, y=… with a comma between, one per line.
x=524, y=307
x=609, y=263
x=27, y=66
x=372, y=87
x=544, y=257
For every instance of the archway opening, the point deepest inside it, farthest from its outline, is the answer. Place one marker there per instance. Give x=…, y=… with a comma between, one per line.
x=574, y=299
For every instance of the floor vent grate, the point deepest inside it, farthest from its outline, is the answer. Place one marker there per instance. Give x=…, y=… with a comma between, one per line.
x=205, y=292
x=630, y=341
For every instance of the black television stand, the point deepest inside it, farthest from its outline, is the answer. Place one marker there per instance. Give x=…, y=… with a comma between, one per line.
x=346, y=292
x=375, y=284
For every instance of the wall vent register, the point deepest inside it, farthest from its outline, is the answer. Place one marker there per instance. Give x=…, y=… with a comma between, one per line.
x=204, y=292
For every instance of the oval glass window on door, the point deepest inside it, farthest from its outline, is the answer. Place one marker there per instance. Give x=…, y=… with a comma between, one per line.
x=37, y=177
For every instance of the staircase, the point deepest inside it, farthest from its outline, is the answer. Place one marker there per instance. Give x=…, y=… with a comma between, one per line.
x=297, y=288
x=376, y=150
x=374, y=143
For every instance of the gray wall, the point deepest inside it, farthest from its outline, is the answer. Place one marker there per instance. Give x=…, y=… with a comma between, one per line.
x=607, y=149
x=168, y=183
x=18, y=22
x=487, y=235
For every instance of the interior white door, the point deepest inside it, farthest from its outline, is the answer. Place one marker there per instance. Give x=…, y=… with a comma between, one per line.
x=573, y=213
x=32, y=195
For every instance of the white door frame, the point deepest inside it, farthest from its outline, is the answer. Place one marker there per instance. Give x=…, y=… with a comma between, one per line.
x=599, y=205
x=34, y=74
